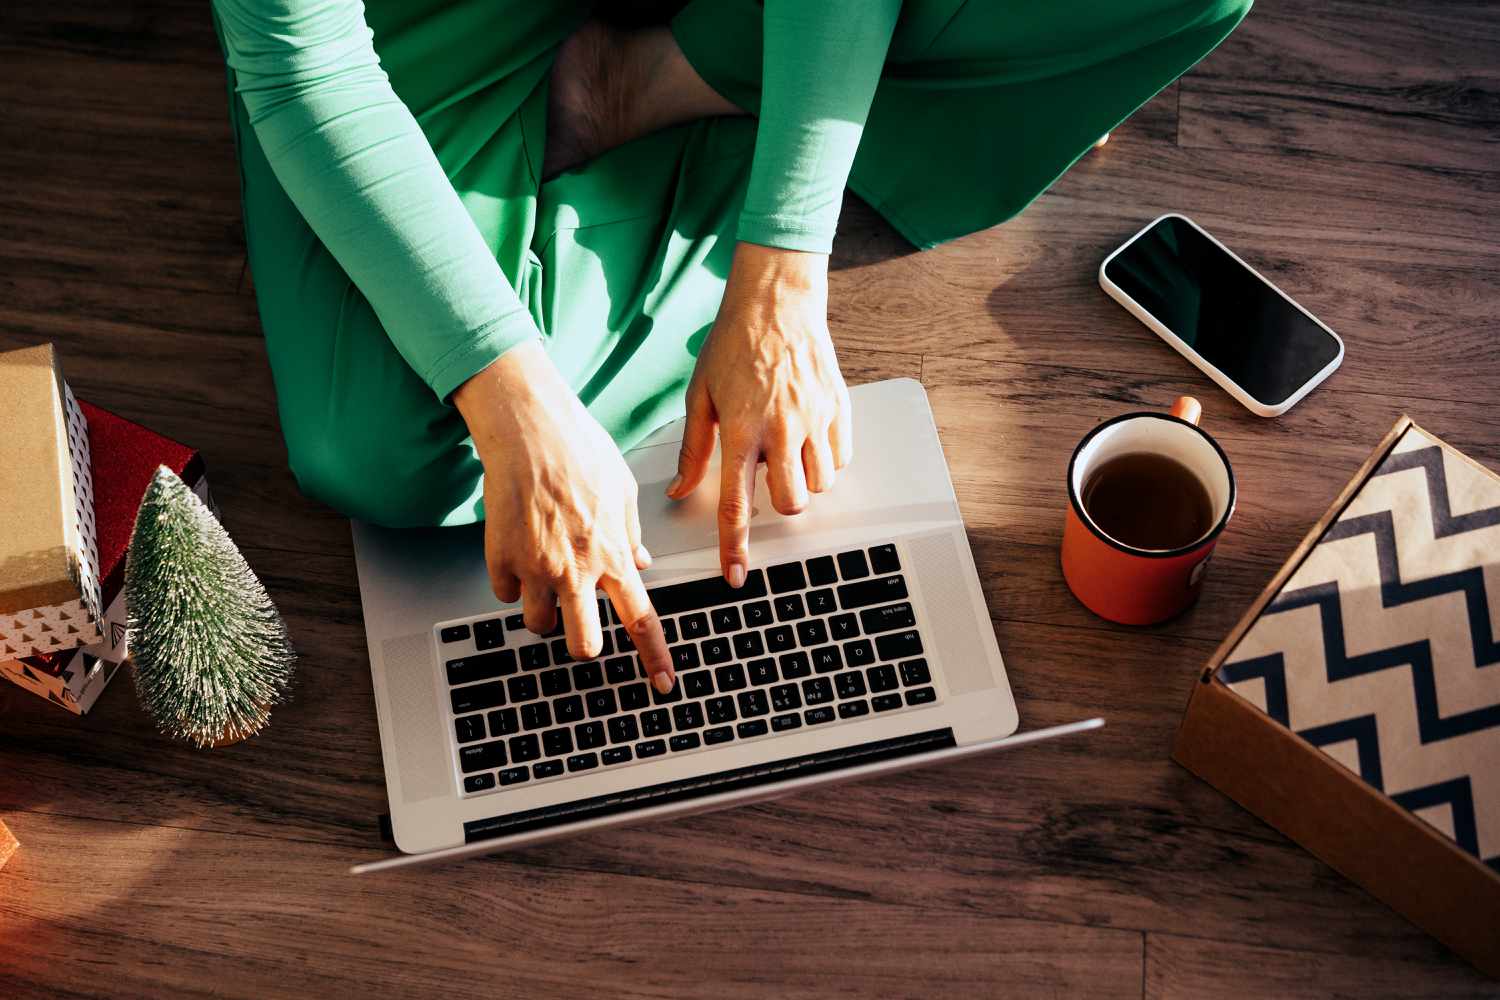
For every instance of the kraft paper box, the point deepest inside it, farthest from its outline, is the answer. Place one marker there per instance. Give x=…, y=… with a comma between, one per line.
x=49, y=577
x=125, y=456
x=1356, y=706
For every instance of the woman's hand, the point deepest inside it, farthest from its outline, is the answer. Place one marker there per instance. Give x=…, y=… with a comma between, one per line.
x=560, y=509
x=769, y=379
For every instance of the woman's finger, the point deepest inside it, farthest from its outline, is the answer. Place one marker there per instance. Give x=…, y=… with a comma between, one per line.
x=841, y=433
x=736, y=488
x=507, y=585
x=817, y=462
x=580, y=612
x=539, y=606
x=633, y=531
x=785, y=479
x=628, y=594
x=697, y=444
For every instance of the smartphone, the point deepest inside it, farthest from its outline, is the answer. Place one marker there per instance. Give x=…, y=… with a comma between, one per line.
x=1246, y=334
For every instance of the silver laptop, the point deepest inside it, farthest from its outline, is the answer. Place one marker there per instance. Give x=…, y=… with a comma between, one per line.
x=860, y=645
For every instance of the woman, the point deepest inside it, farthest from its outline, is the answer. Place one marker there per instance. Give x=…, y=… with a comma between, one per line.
x=454, y=337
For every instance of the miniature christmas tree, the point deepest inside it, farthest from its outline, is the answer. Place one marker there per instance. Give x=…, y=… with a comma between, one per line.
x=210, y=651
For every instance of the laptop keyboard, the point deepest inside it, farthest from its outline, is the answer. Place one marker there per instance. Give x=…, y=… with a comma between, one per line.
x=807, y=643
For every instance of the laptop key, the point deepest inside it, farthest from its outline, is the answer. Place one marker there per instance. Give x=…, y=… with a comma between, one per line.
x=686, y=741
x=812, y=633
x=780, y=639
x=883, y=559
x=786, y=577
x=589, y=735
x=795, y=665
x=694, y=626
x=515, y=775
x=684, y=657
x=899, y=645
x=657, y=722
x=504, y=722
x=535, y=657
x=748, y=645
x=515, y=622
x=886, y=702
x=469, y=728
x=472, y=699
x=560, y=654
x=489, y=633
x=688, y=715
x=669, y=630
x=762, y=672
x=752, y=729
x=633, y=696
x=914, y=672
x=522, y=688
x=821, y=602
x=482, y=666
x=657, y=698
x=886, y=619
x=720, y=710
x=650, y=748
x=557, y=741
x=859, y=653
x=782, y=723
x=717, y=735
x=843, y=627
x=881, y=678
x=789, y=608
x=817, y=716
x=547, y=769
x=482, y=756
x=850, y=685
x=623, y=729
x=619, y=670
x=583, y=762
x=569, y=709
x=881, y=590
x=623, y=641
x=757, y=614
x=600, y=703
x=725, y=619
x=820, y=571
x=817, y=690
x=698, y=684
x=588, y=675
x=616, y=755
x=852, y=565
x=698, y=594
x=536, y=715
x=716, y=650
x=853, y=709
x=524, y=748
x=479, y=782
x=730, y=677
x=785, y=697
x=827, y=659
x=556, y=682
x=454, y=633
x=753, y=703
x=921, y=696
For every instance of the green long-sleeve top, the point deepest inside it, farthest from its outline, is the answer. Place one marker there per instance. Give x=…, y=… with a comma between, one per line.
x=354, y=161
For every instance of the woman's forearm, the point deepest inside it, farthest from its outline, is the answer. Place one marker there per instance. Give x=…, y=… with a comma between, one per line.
x=822, y=62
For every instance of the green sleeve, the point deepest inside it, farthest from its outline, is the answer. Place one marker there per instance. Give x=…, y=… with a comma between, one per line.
x=355, y=163
x=822, y=61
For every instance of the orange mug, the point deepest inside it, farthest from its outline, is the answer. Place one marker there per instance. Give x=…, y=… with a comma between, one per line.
x=1129, y=579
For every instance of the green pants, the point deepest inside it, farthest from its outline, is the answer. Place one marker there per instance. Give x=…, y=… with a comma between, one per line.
x=622, y=262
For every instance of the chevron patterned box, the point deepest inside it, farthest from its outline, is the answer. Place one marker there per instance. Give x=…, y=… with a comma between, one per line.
x=1356, y=706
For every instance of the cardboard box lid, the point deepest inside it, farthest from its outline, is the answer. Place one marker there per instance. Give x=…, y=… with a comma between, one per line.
x=1381, y=648
x=38, y=536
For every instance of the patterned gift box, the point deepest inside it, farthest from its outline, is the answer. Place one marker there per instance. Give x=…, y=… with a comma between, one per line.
x=1357, y=705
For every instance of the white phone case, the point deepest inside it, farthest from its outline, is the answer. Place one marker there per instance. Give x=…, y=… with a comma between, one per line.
x=1224, y=381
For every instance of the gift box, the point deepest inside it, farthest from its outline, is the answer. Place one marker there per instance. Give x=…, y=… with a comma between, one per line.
x=125, y=456
x=1356, y=706
x=49, y=579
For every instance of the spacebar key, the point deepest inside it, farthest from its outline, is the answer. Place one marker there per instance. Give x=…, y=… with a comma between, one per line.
x=710, y=593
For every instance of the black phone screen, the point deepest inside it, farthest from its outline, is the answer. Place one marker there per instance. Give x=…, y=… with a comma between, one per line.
x=1221, y=309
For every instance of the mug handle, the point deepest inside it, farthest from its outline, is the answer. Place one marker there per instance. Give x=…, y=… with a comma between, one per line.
x=1187, y=408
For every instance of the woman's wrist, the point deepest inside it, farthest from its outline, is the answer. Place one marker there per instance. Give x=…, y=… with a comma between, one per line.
x=494, y=400
x=757, y=267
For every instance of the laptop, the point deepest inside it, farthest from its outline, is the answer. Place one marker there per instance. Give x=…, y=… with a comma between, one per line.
x=860, y=645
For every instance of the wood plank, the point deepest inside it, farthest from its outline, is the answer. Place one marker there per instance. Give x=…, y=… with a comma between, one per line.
x=1193, y=968
x=1414, y=83
x=131, y=927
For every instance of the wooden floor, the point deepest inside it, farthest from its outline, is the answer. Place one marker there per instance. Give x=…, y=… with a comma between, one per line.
x=1350, y=150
